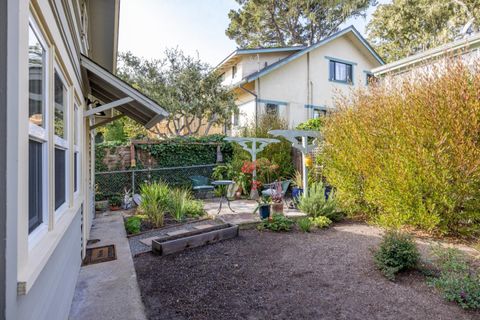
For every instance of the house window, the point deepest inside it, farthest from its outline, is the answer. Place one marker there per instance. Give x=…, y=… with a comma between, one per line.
x=271, y=109
x=35, y=185
x=76, y=154
x=236, y=118
x=60, y=103
x=60, y=177
x=38, y=129
x=317, y=113
x=61, y=143
x=36, y=81
x=341, y=72
x=370, y=79
x=234, y=71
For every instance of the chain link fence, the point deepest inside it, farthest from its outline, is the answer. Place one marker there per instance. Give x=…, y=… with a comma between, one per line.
x=116, y=182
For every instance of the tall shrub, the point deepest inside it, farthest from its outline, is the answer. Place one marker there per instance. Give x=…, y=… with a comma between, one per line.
x=408, y=153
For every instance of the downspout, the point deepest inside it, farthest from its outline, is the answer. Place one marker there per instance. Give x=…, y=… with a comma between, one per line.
x=309, y=86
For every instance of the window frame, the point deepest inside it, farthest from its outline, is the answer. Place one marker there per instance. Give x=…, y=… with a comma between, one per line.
x=76, y=149
x=332, y=67
x=236, y=118
x=369, y=75
x=272, y=106
x=40, y=134
x=318, y=112
x=62, y=143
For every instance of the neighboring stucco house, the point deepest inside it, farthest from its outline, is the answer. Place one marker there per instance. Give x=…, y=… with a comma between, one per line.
x=467, y=49
x=297, y=83
x=57, y=59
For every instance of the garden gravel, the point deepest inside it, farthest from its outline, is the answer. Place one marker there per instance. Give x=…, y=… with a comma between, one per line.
x=328, y=274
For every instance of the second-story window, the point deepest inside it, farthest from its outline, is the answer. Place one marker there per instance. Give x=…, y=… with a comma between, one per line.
x=234, y=71
x=341, y=72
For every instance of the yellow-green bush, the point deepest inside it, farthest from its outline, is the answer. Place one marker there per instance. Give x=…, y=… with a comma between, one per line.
x=409, y=153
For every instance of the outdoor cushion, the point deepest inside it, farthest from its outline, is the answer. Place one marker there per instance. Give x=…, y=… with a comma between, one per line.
x=201, y=183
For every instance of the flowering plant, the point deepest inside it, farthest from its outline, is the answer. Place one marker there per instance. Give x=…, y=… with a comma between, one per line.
x=256, y=184
x=248, y=167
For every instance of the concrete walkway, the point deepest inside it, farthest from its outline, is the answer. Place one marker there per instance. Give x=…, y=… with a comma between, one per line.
x=108, y=290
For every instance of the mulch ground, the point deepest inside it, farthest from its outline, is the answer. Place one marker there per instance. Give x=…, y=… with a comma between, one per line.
x=328, y=274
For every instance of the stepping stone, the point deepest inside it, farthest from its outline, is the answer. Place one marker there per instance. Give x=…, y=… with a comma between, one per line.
x=177, y=232
x=203, y=226
x=148, y=241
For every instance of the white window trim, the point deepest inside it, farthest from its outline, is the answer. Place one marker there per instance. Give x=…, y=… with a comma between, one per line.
x=40, y=134
x=62, y=143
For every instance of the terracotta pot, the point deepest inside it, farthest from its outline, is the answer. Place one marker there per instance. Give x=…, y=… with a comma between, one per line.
x=277, y=207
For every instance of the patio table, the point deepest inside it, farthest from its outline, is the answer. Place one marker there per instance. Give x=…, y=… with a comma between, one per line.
x=224, y=192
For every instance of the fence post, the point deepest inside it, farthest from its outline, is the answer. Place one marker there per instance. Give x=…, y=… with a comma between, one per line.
x=133, y=181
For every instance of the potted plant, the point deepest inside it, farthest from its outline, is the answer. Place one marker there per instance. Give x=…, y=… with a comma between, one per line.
x=297, y=189
x=263, y=207
x=115, y=202
x=277, y=198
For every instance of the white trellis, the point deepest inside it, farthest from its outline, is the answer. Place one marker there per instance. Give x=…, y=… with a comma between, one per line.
x=252, y=146
x=303, y=145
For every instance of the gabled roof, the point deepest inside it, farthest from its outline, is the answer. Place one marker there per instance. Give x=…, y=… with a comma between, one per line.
x=449, y=48
x=239, y=52
x=278, y=64
x=108, y=88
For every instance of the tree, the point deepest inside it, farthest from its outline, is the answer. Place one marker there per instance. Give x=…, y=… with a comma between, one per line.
x=123, y=129
x=186, y=87
x=279, y=23
x=406, y=27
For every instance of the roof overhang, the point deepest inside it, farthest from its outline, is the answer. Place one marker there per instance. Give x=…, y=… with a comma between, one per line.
x=452, y=48
x=235, y=56
x=116, y=93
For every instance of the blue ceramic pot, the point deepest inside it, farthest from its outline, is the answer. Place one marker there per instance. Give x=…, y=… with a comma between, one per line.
x=264, y=211
x=296, y=193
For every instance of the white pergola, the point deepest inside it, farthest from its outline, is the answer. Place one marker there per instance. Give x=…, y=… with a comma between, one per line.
x=299, y=140
x=252, y=146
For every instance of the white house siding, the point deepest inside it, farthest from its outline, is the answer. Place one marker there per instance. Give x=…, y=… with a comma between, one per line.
x=255, y=62
x=51, y=295
x=250, y=63
x=41, y=275
x=290, y=83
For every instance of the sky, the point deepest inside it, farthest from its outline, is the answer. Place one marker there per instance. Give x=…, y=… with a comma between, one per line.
x=148, y=27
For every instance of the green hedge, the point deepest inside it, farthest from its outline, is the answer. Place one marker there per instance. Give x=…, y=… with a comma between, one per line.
x=186, y=152
x=173, y=152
